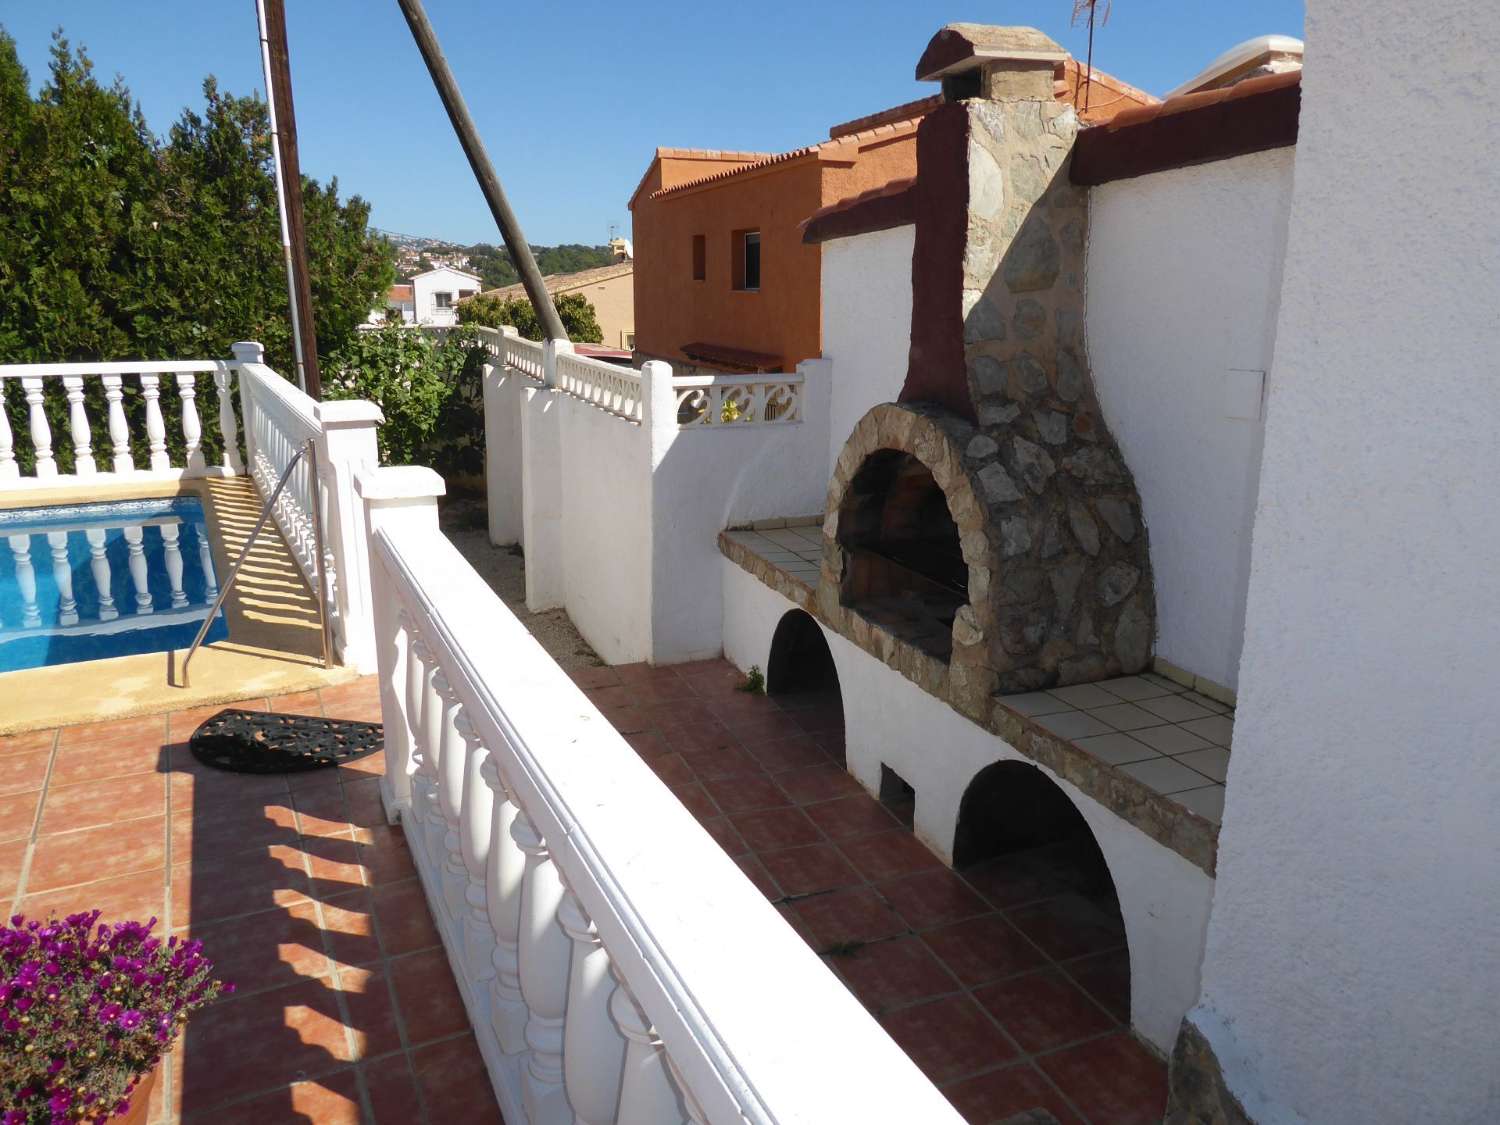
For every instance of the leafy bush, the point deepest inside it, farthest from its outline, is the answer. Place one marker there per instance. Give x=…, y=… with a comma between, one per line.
x=573, y=309
x=412, y=376
x=86, y=1012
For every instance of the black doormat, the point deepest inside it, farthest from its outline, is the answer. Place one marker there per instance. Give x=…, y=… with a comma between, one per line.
x=265, y=742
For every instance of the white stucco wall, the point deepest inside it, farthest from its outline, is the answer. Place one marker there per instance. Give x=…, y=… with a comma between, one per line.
x=1184, y=276
x=866, y=324
x=1353, y=947
x=888, y=719
x=502, y=453
x=445, y=280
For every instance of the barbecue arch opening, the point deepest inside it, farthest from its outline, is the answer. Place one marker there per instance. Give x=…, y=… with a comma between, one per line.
x=904, y=567
x=802, y=676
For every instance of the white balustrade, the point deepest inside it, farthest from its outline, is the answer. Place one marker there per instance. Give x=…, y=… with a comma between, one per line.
x=135, y=545
x=20, y=547
x=156, y=428
x=119, y=431
x=616, y=965
x=9, y=470
x=41, y=432
x=192, y=428
x=172, y=560
x=78, y=427
x=613, y=389
x=206, y=565
x=62, y=574
x=719, y=400
x=99, y=566
x=228, y=426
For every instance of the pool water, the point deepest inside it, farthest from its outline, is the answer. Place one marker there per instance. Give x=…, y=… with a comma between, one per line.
x=89, y=581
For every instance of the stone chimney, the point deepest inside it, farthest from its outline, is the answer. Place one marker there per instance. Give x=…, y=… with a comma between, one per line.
x=999, y=405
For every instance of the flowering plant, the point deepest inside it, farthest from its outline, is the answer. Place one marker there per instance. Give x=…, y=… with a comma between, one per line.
x=86, y=1011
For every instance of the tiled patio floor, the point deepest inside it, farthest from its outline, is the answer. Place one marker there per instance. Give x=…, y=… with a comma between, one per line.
x=1006, y=984
x=346, y=1010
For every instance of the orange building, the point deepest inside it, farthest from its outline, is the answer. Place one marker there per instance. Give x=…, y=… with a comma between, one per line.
x=723, y=280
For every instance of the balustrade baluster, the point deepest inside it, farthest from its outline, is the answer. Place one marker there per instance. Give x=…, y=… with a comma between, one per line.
x=475, y=819
x=78, y=427
x=593, y=1048
x=648, y=1094
x=99, y=565
x=206, y=564
x=9, y=470
x=433, y=825
x=20, y=547
x=192, y=428
x=543, y=954
x=172, y=557
x=694, y=1113
x=228, y=431
x=41, y=432
x=503, y=877
x=62, y=574
x=450, y=790
x=119, y=430
x=136, y=560
x=156, y=429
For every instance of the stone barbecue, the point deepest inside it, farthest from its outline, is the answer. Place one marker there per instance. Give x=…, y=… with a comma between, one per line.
x=984, y=533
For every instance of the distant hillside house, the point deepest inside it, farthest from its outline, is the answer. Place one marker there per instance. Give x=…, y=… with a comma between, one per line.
x=436, y=294
x=610, y=289
x=398, y=299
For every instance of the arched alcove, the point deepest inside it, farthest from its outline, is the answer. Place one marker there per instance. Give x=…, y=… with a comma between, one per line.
x=802, y=677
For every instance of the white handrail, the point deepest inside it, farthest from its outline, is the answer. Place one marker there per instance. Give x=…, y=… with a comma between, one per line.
x=751, y=1025
x=112, y=367
x=717, y=400
x=614, y=389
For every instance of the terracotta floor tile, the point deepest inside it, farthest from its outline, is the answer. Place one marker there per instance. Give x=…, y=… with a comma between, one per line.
x=647, y=743
x=298, y=703
x=321, y=811
x=266, y=950
x=849, y=817
x=707, y=734
x=887, y=974
x=1043, y=1010
x=725, y=835
x=261, y=1041
x=402, y=918
x=761, y=726
x=363, y=804
x=1069, y=926
x=330, y=1100
x=93, y=803
x=594, y=677
x=1113, y=1079
x=1012, y=880
x=334, y=866
x=993, y=1098
x=888, y=855
x=756, y=872
x=448, y=1075
x=817, y=783
x=431, y=1007
x=1105, y=977
x=745, y=793
x=222, y=886
x=695, y=799
x=349, y=928
x=949, y=1038
x=807, y=870
x=776, y=828
x=18, y=815
x=932, y=898
x=626, y=720
x=788, y=753
x=29, y=742
x=12, y=858
x=372, y=1012
x=136, y=897
x=218, y=830
x=194, y=785
x=98, y=853
x=393, y=1090
x=722, y=761
x=680, y=713
x=983, y=949
x=145, y=729
x=384, y=854
x=856, y=914
x=103, y=760
x=371, y=765
x=182, y=724
x=672, y=768
x=23, y=772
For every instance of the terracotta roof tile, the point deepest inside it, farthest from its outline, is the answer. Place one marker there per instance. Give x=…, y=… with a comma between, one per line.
x=879, y=208
x=564, y=282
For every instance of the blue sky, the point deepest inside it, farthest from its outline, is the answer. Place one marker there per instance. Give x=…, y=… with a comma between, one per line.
x=572, y=99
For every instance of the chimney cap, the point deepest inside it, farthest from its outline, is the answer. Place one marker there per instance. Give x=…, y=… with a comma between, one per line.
x=967, y=46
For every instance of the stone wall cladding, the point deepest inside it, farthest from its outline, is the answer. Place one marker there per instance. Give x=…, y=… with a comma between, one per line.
x=1197, y=1093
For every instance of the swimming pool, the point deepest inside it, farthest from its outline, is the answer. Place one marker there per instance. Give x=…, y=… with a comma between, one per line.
x=89, y=581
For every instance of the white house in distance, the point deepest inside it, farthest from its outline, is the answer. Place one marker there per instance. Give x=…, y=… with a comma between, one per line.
x=432, y=297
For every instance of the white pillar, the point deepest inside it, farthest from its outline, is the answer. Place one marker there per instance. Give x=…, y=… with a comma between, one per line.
x=99, y=565
x=172, y=559
x=62, y=574
x=346, y=450
x=475, y=819
x=542, y=497
x=206, y=564
x=593, y=1048
x=41, y=433
x=119, y=430
x=648, y=1095
x=228, y=431
x=20, y=547
x=192, y=428
x=78, y=427
x=544, y=954
x=9, y=470
x=135, y=543
x=156, y=429
x=505, y=872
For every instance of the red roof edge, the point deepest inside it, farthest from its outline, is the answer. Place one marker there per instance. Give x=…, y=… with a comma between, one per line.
x=881, y=208
x=1251, y=116
x=726, y=356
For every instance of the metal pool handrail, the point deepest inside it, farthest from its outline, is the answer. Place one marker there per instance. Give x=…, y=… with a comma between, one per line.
x=309, y=449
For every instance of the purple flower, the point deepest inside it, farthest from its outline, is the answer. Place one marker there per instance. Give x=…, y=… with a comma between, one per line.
x=130, y=1019
x=109, y=1013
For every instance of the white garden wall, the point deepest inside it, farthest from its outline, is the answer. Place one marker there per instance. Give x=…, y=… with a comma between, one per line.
x=1353, y=944
x=502, y=452
x=866, y=324
x=1184, y=274
x=888, y=719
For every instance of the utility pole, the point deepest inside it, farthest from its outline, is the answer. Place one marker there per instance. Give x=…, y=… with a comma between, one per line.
x=277, y=64
x=484, y=171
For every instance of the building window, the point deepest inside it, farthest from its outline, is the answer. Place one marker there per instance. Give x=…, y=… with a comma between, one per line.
x=442, y=300
x=745, y=251
x=700, y=257
x=627, y=339
x=464, y=294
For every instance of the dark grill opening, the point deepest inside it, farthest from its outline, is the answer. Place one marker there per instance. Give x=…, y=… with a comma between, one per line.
x=903, y=566
x=897, y=795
